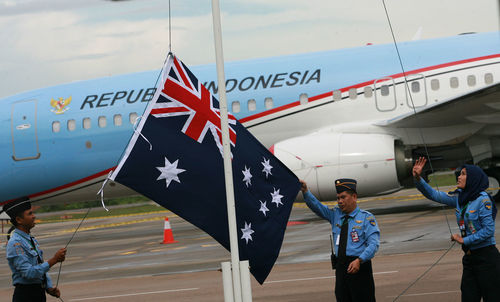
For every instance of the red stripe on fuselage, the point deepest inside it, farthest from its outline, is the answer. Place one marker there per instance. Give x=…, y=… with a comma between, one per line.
x=68, y=185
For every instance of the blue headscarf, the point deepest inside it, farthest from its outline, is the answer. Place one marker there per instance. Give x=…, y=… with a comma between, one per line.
x=475, y=183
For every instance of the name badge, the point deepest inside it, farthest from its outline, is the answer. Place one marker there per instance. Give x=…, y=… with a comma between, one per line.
x=354, y=236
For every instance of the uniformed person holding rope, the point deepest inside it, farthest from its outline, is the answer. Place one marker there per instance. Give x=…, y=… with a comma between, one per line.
x=29, y=270
x=356, y=239
x=475, y=214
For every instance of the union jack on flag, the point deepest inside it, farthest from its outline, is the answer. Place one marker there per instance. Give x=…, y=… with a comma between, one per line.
x=183, y=94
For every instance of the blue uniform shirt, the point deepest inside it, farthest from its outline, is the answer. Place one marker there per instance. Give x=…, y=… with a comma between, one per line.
x=478, y=218
x=363, y=237
x=23, y=262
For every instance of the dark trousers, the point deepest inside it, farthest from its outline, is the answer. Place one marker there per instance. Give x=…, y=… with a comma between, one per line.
x=481, y=275
x=29, y=293
x=354, y=287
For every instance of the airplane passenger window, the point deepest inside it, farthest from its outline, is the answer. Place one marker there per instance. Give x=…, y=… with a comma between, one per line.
x=252, y=105
x=303, y=98
x=268, y=102
x=471, y=80
x=102, y=122
x=56, y=127
x=132, y=117
x=337, y=95
x=368, y=91
x=435, y=84
x=117, y=119
x=353, y=93
x=415, y=87
x=488, y=78
x=384, y=90
x=454, y=82
x=236, y=106
x=71, y=125
x=86, y=123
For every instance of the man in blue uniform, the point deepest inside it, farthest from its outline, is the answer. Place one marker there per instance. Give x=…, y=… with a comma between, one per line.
x=356, y=239
x=29, y=271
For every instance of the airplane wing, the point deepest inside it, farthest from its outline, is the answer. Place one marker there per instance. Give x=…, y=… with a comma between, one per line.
x=480, y=106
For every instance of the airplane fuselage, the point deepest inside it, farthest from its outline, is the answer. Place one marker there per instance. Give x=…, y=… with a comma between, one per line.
x=62, y=141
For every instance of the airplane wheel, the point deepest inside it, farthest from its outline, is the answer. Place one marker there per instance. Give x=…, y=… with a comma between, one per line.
x=494, y=178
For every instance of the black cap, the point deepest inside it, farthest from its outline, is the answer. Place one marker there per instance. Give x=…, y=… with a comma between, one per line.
x=17, y=206
x=344, y=184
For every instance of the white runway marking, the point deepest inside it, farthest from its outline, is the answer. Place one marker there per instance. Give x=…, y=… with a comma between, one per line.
x=319, y=278
x=136, y=294
x=425, y=294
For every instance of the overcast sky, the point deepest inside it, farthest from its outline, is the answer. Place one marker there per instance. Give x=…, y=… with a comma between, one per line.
x=51, y=42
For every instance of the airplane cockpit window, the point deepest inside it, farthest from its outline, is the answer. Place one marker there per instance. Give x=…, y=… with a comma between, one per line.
x=252, y=105
x=368, y=92
x=102, y=122
x=471, y=80
x=434, y=84
x=384, y=90
x=235, y=106
x=415, y=87
x=454, y=82
x=117, y=119
x=488, y=78
x=337, y=95
x=132, y=117
x=86, y=123
x=268, y=102
x=303, y=98
x=56, y=127
x=71, y=125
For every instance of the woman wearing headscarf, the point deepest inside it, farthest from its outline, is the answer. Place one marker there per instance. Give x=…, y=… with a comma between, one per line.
x=476, y=214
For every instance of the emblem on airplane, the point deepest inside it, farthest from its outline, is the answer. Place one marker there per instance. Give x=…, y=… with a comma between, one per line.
x=60, y=106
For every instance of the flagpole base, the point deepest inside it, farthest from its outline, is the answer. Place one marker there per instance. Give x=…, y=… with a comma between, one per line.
x=227, y=281
x=246, y=285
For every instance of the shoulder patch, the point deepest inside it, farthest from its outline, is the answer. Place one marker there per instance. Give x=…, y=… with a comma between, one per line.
x=372, y=221
x=487, y=205
x=19, y=251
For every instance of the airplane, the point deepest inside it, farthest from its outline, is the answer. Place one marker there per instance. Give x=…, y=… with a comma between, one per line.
x=330, y=114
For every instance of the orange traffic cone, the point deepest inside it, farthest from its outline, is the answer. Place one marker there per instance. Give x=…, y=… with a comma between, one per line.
x=168, y=236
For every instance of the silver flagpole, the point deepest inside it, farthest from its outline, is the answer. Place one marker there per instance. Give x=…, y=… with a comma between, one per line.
x=231, y=211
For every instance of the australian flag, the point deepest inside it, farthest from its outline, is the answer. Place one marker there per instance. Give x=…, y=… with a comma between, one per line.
x=183, y=171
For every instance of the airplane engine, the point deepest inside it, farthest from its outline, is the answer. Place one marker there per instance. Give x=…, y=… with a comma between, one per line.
x=376, y=161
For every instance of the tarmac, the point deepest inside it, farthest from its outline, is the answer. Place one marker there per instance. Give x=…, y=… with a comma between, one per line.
x=121, y=258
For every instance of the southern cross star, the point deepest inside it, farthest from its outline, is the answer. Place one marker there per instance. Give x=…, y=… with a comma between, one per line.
x=170, y=172
x=247, y=232
x=277, y=197
x=247, y=176
x=267, y=167
x=263, y=207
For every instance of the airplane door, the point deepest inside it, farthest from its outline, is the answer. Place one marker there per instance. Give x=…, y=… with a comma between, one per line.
x=418, y=91
x=24, y=130
x=385, y=94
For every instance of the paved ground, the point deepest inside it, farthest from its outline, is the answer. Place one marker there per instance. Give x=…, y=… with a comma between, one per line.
x=121, y=258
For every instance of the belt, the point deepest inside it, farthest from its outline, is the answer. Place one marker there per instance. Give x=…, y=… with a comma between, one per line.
x=472, y=252
x=34, y=285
